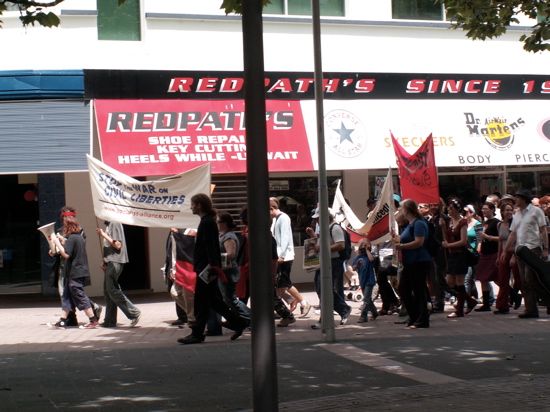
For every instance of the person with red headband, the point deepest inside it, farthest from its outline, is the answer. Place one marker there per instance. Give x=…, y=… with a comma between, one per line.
x=57, y=276
x=72, y=247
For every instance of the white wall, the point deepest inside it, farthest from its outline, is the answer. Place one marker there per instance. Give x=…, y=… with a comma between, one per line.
x=203, y=44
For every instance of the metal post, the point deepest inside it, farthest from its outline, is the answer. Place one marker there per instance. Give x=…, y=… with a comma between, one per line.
x=264, y=355
x=327, y=298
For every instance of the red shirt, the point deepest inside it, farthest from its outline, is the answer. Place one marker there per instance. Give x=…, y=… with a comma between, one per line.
x=453, y=234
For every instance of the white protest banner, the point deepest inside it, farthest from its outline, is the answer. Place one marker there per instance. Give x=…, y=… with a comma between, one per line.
x=157, y=203
x=344, y=216
x=381, y=220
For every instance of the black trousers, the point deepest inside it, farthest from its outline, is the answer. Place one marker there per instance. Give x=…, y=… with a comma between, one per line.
x=208, y=295
x=414, y=291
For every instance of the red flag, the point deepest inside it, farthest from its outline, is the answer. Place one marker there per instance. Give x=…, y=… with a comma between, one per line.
x=417, y=172
x=185, y=274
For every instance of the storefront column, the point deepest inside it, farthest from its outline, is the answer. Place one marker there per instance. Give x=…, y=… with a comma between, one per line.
x=51, y=198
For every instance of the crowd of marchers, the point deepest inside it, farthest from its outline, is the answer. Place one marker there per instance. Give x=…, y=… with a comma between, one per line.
x=437, y=255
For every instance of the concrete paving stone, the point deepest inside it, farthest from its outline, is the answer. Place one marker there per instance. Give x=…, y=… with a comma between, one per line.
x=143, y=368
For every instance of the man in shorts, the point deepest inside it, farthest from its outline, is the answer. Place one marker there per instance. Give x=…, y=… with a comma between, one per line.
x=282, y=232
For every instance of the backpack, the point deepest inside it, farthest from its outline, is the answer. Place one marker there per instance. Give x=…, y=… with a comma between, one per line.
x=430, y=243
x=345, y=254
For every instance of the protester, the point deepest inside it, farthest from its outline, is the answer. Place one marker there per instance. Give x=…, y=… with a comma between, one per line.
x=364, y=265
x=416, y=265
x=455, y=236
x=386, y=275
x=76, y=274
x=504, y=262
x=229, y=245
x=474, y=225
x=337, y=243
x=529, y=229
x=487, y=270
x=243, y=285
x=441, y=287
x=179, y=274
x=287, y=318
x=115, y=256
x=207, y=265
x=282, y=232
x=57, y=276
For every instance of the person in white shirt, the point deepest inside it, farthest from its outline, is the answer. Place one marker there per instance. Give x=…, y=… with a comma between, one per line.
x=282, y=232
x=529, y=229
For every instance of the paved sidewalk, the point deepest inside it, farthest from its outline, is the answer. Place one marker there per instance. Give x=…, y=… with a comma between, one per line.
x=483, y=361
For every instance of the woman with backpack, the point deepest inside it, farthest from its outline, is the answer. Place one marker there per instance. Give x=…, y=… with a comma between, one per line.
x=416, y=266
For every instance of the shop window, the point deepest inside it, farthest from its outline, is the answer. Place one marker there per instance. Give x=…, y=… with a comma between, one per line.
x=303, y=7
x=417, y=10
x=118, y=22
x=517, y=180
x=298, y=197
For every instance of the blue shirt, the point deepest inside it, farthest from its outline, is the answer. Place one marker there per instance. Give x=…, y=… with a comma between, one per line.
x=420, y=254
x=365, y=270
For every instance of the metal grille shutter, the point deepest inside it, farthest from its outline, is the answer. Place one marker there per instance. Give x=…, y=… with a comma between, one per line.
x=44, y=136
x=230, y=195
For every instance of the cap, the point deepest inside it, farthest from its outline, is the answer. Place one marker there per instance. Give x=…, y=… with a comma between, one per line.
x=316, y=212
x=397, y=198
x=525, y=193
x=507, y=197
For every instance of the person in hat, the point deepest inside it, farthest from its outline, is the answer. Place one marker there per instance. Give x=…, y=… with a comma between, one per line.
x=337, y=243
x=529, y=229
x=507, y=200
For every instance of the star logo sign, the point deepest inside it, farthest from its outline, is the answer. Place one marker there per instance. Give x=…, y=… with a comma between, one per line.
x=345, y=133
x=340, y=125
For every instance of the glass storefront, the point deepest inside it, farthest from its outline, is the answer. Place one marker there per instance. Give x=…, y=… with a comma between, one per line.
x=298, y=197
x=472, y=184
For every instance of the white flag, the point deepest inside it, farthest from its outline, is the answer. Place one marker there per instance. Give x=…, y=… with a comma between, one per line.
x=378, y=226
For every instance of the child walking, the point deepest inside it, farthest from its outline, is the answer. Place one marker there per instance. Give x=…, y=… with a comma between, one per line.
x=364, y=265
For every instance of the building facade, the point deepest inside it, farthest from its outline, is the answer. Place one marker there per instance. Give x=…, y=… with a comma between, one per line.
x=154, y=88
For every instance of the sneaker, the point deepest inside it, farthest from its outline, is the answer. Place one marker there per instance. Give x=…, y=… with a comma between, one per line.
x=97, y=311
x=60, y=324
x=345, y=316
x=285, y=322
x=91, y=325
x=316, y=325
x=304, y=310
x=107, y=325
x=362, y=320
x=135, y=321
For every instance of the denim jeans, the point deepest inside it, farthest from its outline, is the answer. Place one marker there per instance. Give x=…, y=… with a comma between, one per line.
x=228, y=290
x=340, y=305
x=368, y=303
x=115, y=297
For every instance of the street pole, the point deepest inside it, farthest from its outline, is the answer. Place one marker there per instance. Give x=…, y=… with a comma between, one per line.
x=327, y=316
x=264, y=355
